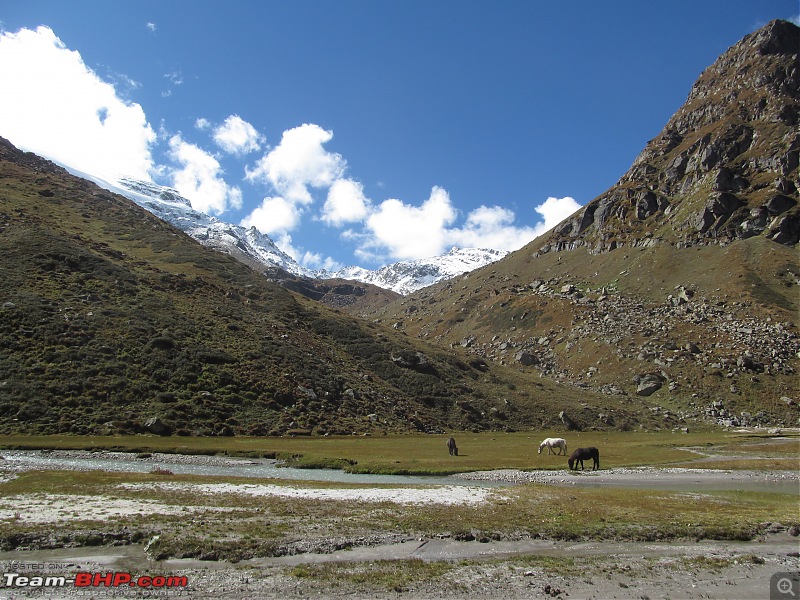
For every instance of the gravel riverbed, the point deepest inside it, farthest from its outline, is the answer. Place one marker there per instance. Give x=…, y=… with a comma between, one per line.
x=490, y=569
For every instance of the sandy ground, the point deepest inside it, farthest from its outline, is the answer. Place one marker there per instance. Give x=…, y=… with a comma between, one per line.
x=492, y=570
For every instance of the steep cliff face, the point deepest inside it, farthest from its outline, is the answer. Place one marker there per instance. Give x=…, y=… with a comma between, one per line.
x=724, y=167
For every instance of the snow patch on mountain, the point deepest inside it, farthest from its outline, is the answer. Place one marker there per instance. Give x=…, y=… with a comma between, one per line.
x=405, y=277
x=250, y=244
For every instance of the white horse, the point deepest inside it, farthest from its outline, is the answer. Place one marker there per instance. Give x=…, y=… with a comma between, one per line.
x=551, y=443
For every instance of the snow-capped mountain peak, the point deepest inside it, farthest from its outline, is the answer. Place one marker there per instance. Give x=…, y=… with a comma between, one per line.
x=255, y=247
x=405, y=277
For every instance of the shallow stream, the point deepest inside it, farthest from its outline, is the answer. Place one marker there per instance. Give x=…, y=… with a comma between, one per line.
x=686, y=480
x=263, y=468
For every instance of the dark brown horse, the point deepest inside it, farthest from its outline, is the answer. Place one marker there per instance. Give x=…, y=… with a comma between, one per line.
x=451, y=446
x=582, y=454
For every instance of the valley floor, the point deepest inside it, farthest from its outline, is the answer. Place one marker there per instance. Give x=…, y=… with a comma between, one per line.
x=436, y=567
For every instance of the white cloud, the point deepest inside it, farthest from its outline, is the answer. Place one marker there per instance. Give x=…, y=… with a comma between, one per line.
x=493, y=227
x=237, y=136
x=54, y=105
x=398, y=231
x=490, y=227
x=299, y=161
x=346, y=203
x=275, y=215
x=199, y=178
x=174, y=77
x=315, y=260
x=553, y=211
x=151, y=27
x=410, y=232
x=202, y=124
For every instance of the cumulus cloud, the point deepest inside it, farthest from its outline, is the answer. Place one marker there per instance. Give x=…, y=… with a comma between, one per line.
x=300, y=161
x=553, y=211
x=493, y=227
x=54, y=105
x=398, y=231
x=275, y=215
x=490, y=227
x=410, y=232
x=315, y=260
x=199, y=178
x=346, y=203
x=237, y=136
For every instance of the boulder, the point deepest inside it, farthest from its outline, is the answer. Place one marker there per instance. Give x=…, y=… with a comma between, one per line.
x=648, y=384
x=748, y=363
x=156, y=426
x=568, y=423
x=526, y=359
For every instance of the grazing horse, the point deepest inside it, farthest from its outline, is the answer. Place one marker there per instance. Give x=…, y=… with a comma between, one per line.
x=582, y=454
x=551, y=443
x=451, y=446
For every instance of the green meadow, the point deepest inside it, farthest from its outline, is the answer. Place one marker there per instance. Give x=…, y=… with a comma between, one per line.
x=427, y=454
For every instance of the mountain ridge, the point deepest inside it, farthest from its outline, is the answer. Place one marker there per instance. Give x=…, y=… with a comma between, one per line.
x=253, y=247
x=724, y=166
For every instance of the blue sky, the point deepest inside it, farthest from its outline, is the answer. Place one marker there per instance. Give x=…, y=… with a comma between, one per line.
x=362, y=132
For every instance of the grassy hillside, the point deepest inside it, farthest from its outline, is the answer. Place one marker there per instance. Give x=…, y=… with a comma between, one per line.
x=604, y=320
x=110, y=318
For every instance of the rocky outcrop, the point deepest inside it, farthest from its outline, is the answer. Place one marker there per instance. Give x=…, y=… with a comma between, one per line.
x=725, y=166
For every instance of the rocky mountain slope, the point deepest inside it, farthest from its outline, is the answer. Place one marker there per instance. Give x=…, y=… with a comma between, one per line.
x=724, y=167
x=114, y=321
x=679, y=284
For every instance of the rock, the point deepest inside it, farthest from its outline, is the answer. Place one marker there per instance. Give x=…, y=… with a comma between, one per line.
x=648, y=384
x=568, y=423
x=526, y=359
x=155, y=425
x=749, y=363
x=720, y=206
x=682, y=296
x=415, y=361
x=785, y=230
x=779, y=204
